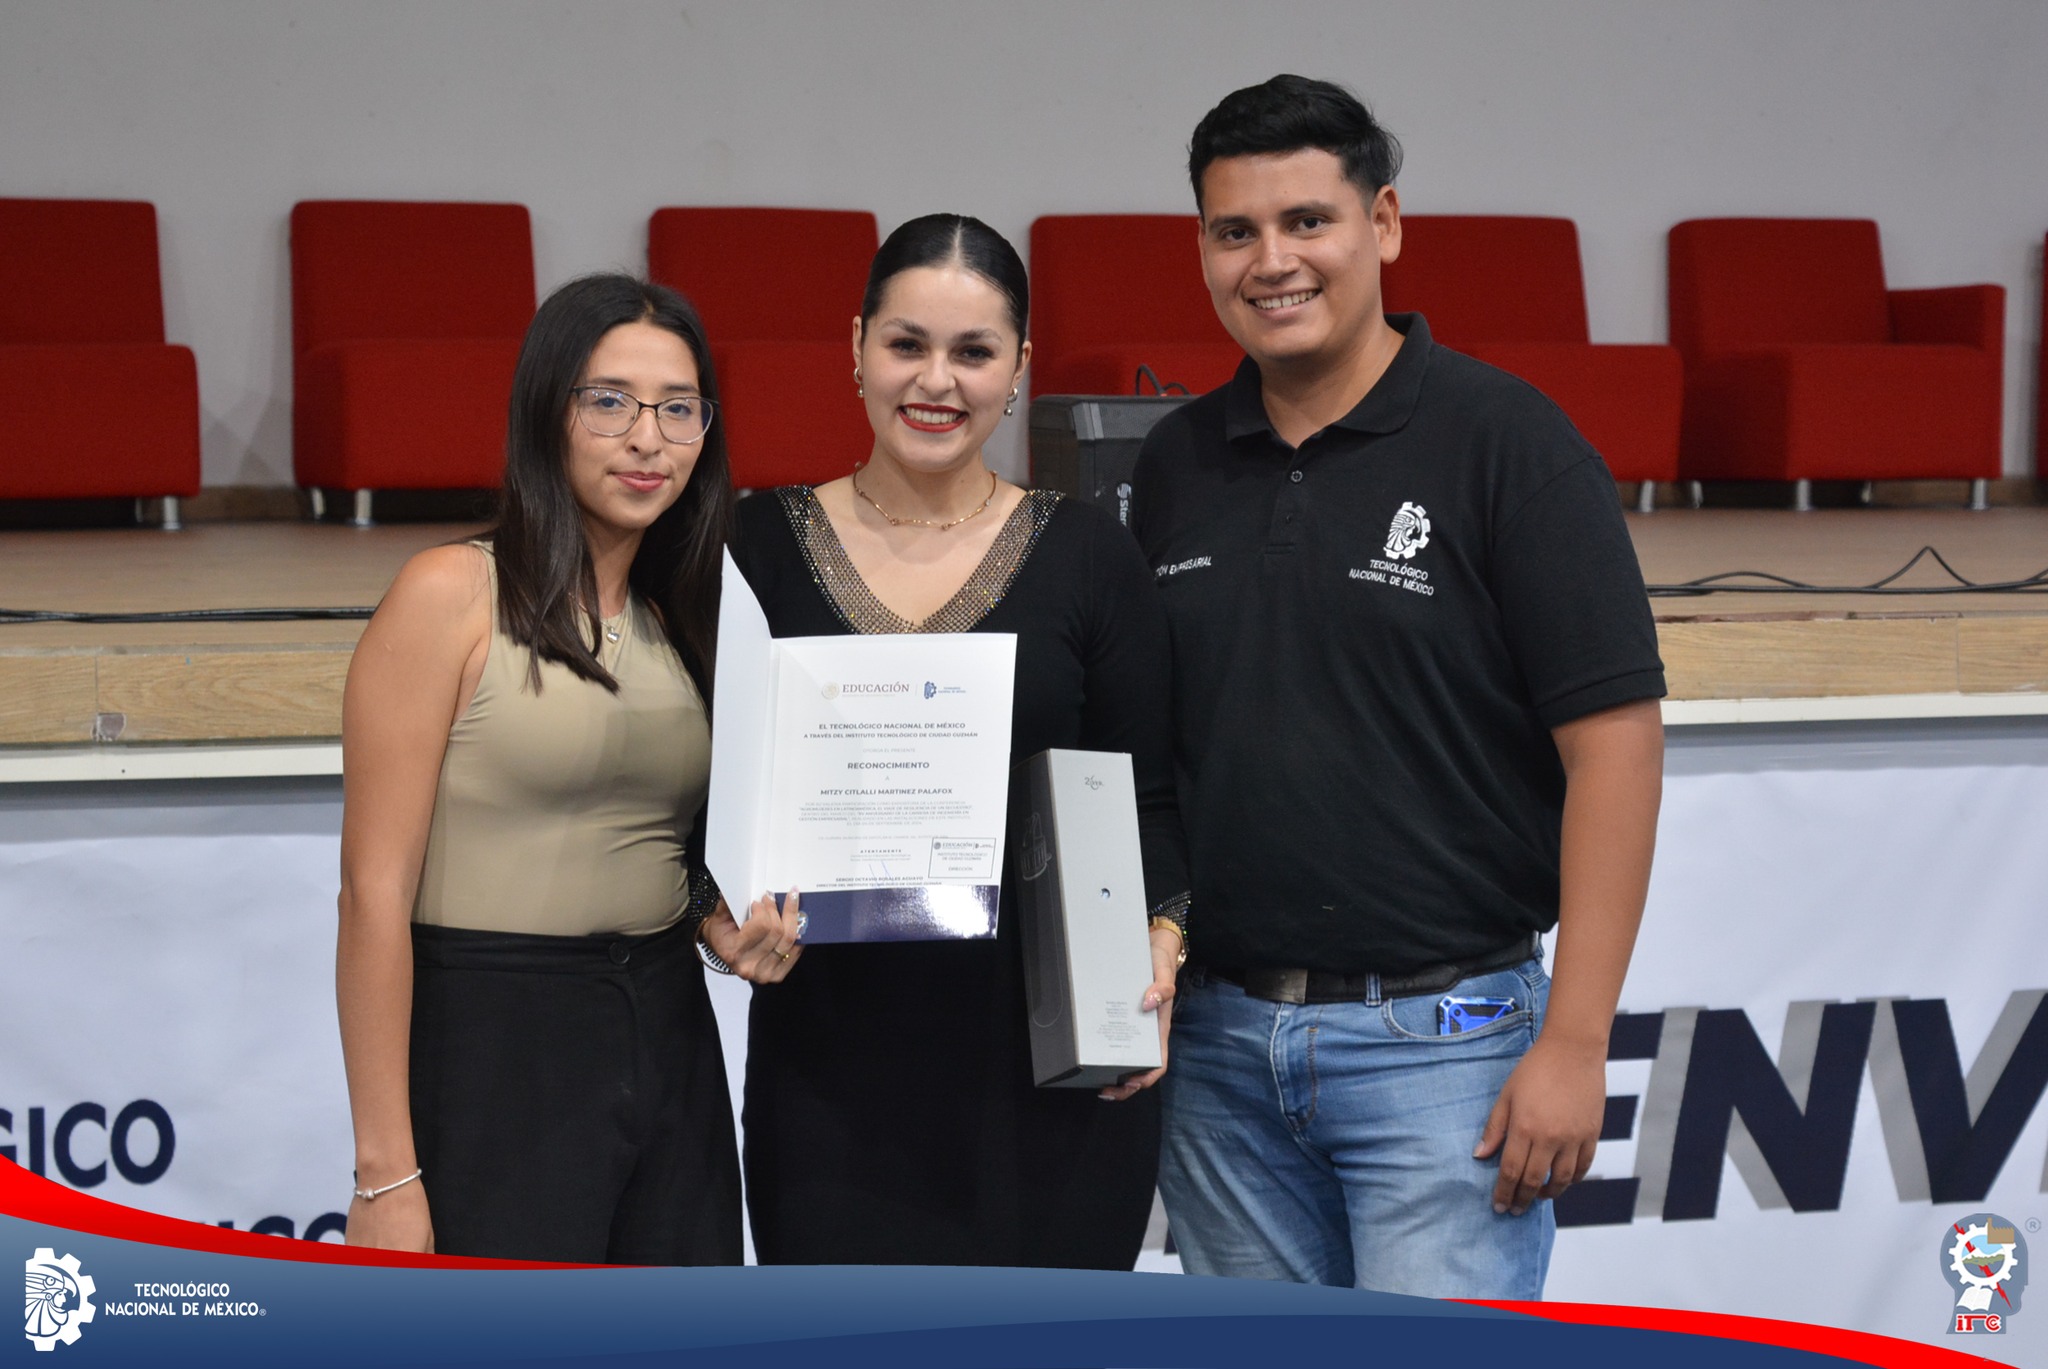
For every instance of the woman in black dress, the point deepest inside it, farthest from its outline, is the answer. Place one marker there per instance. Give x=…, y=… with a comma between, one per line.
x=890, y=1112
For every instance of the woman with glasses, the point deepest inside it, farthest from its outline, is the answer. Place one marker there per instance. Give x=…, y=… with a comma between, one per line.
x=890, y=1112
x=533, y=1066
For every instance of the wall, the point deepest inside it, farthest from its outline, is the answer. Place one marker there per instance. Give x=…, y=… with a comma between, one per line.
x=1627, y=117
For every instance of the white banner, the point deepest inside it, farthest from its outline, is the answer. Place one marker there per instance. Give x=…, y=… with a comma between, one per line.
x=1836, y=1013
x=167, y=1024
x=1834, y=1041
x=167, y=997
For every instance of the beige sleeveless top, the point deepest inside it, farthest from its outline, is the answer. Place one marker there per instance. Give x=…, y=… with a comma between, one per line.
x=565, y=812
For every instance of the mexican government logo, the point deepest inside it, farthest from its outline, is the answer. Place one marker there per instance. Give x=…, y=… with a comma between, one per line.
x=1410, y=532
x=1984, y=1258
x=59, y=1299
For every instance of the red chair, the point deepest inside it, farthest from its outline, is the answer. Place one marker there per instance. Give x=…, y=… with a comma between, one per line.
x=1509, y=291
x=1113, y=292
x=83, y=357
x=778, y=290
x=1801, y=366
x=392, y=302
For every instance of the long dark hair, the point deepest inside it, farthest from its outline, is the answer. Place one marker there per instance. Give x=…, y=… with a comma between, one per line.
x=547, y=589
x=940, y=239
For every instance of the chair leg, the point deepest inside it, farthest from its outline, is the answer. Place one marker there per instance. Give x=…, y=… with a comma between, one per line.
x=1802, y=496
x=362, y=518
x=1698, y=491
x=1646, y=497
x=1868, y=494
x=1980, y=494
x=319, y=501
x=172, y=523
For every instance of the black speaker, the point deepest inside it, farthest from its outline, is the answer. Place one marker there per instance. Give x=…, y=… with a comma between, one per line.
x=1087, y=445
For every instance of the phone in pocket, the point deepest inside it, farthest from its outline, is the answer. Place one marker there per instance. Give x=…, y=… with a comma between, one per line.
x=1455, y=1015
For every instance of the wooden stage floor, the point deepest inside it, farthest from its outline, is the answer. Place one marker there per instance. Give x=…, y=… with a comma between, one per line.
x=67, y=684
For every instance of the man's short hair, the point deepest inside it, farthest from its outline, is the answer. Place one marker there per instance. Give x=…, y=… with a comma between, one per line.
x=1287, y=114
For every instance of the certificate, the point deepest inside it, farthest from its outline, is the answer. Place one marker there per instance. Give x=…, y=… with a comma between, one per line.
x=871, y=773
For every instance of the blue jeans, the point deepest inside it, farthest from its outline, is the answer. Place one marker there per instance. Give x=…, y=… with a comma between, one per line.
x=1333, y=1143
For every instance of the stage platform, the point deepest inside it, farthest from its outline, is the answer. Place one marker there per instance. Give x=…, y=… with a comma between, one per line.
x=180, y=699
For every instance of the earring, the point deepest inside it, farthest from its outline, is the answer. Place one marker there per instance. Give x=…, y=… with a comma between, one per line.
x=860, y=388
x=1011, y=406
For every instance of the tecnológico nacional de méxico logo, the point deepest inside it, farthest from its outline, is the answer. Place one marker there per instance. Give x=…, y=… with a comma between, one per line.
x=59, y=1299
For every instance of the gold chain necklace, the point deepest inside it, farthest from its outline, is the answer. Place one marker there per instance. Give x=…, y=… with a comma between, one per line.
x=982, y=507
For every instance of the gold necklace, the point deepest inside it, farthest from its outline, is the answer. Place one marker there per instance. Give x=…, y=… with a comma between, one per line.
x=926, y=522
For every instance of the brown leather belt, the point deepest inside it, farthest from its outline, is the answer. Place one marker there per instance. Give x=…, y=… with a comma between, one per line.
x=1324, y=986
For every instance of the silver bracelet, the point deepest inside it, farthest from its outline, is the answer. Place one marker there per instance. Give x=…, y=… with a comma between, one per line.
x=370, y=1195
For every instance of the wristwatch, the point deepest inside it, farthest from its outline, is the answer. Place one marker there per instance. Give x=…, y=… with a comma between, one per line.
x=1173, y=915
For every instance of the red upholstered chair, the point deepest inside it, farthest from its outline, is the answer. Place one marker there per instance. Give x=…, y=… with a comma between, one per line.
x=1113, y=292
x=778, y=290
x=1509, y=291
x=83, y=359
x=393, y=302
x=1801, y=366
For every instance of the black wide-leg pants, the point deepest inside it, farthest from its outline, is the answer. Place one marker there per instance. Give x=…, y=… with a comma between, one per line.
x=569, y=1099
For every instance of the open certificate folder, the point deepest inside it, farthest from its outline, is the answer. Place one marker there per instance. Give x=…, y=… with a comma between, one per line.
x=870, y=773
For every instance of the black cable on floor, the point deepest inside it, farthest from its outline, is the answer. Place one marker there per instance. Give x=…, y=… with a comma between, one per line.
x=2036, y=583
x=1778, y=584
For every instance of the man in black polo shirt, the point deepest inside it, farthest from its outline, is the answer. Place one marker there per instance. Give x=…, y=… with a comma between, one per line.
x=1416, y=683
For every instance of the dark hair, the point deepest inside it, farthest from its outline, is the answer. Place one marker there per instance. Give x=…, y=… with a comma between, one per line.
x=1287, y=114
x=939, y=239
x=547, y=589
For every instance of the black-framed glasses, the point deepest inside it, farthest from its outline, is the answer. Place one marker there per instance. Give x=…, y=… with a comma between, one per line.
x=606, y=412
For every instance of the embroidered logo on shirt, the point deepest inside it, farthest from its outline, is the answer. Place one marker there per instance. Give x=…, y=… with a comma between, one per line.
x=1178, y=567
x=1410, y=532
x=1397, y=573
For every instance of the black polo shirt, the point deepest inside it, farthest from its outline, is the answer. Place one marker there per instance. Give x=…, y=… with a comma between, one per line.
x=1373, y=634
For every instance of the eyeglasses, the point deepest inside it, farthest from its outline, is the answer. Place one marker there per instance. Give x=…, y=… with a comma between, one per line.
x=612, y=413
